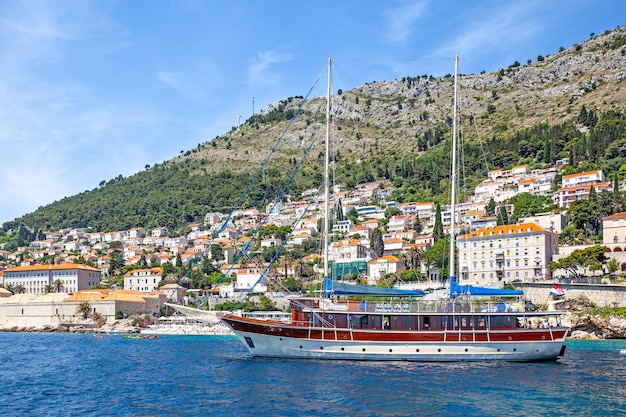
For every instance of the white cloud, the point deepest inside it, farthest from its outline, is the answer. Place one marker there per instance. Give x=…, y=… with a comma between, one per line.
x=400, y=20
x=493, y=32
x=261, y=69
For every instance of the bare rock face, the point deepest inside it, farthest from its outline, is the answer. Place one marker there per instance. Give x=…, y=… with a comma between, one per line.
x=586, y=325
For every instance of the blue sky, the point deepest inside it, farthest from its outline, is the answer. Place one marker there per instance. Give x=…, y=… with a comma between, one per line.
x=91, y=89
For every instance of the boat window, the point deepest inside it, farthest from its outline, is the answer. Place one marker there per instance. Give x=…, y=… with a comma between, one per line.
x=426, y=322
x=364, y=322
x=377, y=322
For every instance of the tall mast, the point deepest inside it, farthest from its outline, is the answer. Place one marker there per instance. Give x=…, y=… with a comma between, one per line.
x=326, y=175
x=453, y=184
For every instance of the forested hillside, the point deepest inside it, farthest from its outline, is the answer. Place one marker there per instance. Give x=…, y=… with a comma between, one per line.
x=570, y=104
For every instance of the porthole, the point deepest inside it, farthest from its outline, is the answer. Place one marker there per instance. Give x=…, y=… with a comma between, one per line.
x=363, y=349
x=321, y=347
x=390, y=350
x=330, y=317
x=510, y=338
x=466, y=349
x=543, y=338
x=280, y=338
x=438, y=350
x=514, y=349
x=342, y=349
x=345, y=337
x=300, y=346
x=498, y=350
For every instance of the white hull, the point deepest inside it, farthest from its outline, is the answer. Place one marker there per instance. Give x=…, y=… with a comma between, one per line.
x=285, y=347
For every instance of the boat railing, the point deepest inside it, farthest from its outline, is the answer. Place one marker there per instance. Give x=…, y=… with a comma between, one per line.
x=420, y=306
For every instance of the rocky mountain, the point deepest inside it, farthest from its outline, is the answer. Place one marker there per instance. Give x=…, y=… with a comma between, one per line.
x=396, y=131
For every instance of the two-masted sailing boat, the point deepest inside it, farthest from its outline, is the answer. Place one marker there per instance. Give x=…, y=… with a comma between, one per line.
x=369, y=323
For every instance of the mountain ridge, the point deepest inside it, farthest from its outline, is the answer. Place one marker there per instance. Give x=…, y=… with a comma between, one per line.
x=393, y=131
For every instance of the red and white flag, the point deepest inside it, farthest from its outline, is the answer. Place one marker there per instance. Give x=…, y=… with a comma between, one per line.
x=557, y=291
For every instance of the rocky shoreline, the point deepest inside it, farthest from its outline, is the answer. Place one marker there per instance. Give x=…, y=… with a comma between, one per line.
x=117, y=327
x=589, y=326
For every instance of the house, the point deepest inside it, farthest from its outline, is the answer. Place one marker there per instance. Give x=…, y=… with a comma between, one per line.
x=249, y=278
x=143, y=280
x=509, y=252
x=36, y=278
x=272, y=241
x=614, y=230
x=378, y=268
x=160, y=231
x=566, y=195
x=400, y=223
x=347, y=250
x=394, y=245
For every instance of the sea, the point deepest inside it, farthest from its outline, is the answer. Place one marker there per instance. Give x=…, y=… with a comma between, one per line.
x=54, y=374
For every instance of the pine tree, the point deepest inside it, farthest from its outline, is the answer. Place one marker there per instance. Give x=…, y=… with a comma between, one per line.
x=438, y=227
x=377, y=245
x=503, y=217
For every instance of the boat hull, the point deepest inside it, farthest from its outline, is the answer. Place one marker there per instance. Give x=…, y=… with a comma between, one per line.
x=274, y=340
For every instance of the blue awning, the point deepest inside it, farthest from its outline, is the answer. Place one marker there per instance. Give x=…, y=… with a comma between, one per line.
x=456, y=289
x=341, y=288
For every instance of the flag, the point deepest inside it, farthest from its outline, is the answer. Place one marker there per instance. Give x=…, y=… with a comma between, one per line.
x=557, y=291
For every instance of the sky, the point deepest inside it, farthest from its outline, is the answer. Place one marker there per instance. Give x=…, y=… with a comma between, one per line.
x=94, y=89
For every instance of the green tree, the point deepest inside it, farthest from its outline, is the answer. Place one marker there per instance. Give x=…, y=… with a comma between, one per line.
x=377, y=244
x=353, y=215
x=392, y=211
x=116, y=264
x=83, y=309
x=490, y=208
x=217, y=254
x=57, y=286
x=593, y=258
x=438, y=255
x=503, y=217
x=526, y=204
x=438, y=226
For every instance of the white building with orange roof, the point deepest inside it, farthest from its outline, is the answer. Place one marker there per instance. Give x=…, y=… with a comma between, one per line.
x=143, y=280
x=408, y=235
x=378, y=268
x=249, y=278
x=363, y=231
x=614, y=231
x=298, y=239
x=565, y=196
x=35, y=278
x=372, y=224
x=506, y=253
x=400, y=223
x=347, y=250
x=394, y=245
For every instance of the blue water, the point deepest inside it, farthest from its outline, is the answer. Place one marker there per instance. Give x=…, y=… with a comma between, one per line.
x=80, y=375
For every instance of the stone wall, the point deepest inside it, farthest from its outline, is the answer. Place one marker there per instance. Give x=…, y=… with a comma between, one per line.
x=599, y=295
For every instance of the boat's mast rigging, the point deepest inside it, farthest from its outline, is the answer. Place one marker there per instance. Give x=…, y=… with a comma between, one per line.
x=326, y=175
x=453, y=176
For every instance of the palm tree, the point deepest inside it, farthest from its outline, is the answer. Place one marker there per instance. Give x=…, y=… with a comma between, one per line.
x=57, y=285
x=47, y=289
x=83, y=309
x=18, y=289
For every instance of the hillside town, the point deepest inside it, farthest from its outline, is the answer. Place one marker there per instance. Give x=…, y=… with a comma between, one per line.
x=66, y=272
